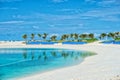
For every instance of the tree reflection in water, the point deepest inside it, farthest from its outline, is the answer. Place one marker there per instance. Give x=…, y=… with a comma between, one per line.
x=44, y=55
x=39, y=57
x=32, y=55
x=53, y=53
x=25, y=54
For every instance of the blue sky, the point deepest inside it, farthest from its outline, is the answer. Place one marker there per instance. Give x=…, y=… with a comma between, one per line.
x=58, y=16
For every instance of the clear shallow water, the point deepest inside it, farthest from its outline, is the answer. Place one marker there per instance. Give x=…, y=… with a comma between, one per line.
x=22, y=62
x=56, y=42
x=74, y=43
x=41, y=42
x=112, y=42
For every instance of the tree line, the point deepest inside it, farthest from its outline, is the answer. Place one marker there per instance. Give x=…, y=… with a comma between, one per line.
x=71, y=37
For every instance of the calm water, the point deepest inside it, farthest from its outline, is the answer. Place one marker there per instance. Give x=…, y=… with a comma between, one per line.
x=112, y=42
x=56, y=42
x=22, y=62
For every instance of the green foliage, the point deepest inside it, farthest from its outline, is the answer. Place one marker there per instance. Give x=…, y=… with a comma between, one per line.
x=53, y=38
x=117, y=39
x=83, y=36
x=91, y=40
x=32, y=36
x=74, y=37
x=24, y=36
x=91, y=35
x=103, y=35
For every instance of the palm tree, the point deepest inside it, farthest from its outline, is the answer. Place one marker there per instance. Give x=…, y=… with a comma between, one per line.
x=71, y=36
x=63, y=37
x=44, y=36
x=32, y=36
x=112, y=35
x=67, y=36
x=117, y=33
x=39, y=35
x=83, y=36
x=53, y=38
x=91, y=35
x=103, y=35
x=25, y=37
x=76, y=36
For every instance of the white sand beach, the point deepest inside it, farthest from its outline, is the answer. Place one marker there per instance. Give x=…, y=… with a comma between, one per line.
x=103, y=66
x=76, y=28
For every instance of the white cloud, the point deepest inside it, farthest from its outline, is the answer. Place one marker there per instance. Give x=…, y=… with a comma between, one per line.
x=52, y=25
x=90, y=1
x=106, y=3
x=36, y=27
x=47, y=17
x=110, y=18
x=104, y=14
x=12, y=22
x=70, y=11
x=81, y=25
x=98, y=14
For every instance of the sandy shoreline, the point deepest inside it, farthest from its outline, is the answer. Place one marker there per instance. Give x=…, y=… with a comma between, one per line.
x=103, y=66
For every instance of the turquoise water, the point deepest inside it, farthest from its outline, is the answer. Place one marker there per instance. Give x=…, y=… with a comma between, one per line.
x=111, y=42
x=23, y=62
x=56, y=42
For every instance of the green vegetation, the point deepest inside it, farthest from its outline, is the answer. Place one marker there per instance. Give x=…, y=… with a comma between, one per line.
x=25, y=37
x=117, y=39
x=72, y=37
x=91, y=40
x=114, y=35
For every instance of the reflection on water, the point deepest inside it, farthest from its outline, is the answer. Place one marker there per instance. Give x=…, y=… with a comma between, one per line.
x=54, y=54
x=22, y=62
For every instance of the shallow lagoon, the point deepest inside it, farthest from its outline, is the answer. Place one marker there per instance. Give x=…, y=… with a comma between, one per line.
x=23, y=62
